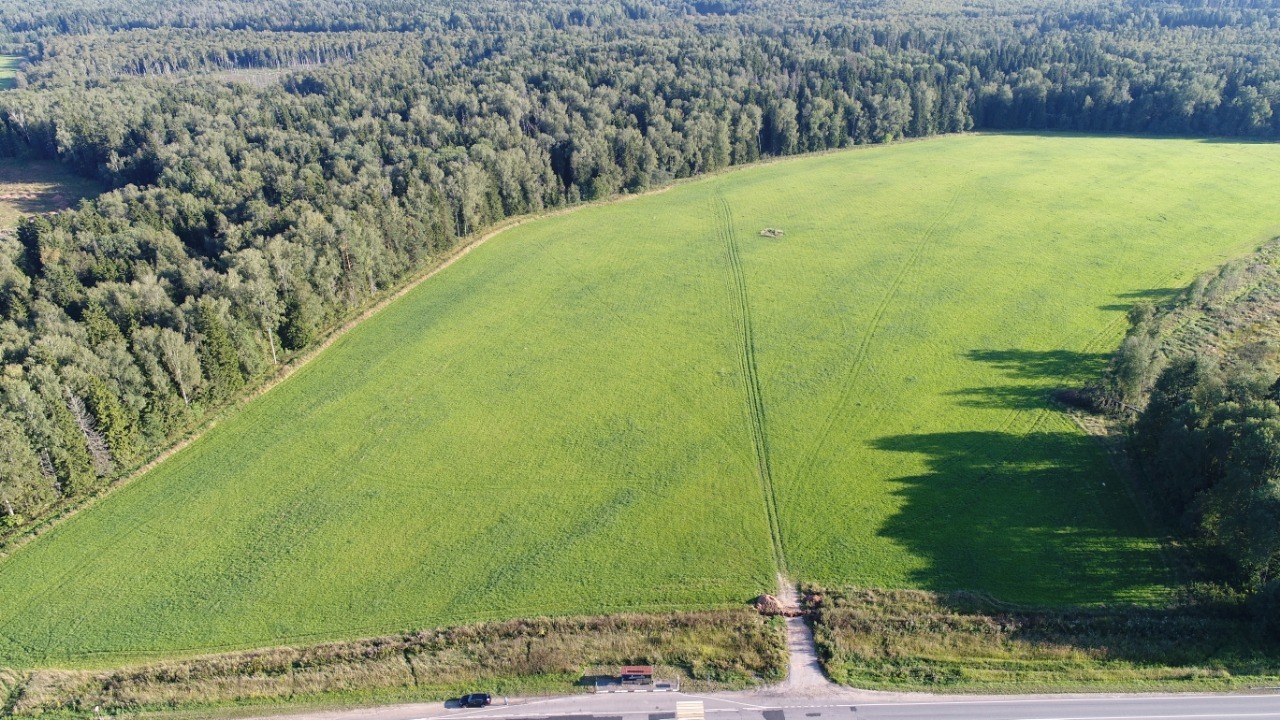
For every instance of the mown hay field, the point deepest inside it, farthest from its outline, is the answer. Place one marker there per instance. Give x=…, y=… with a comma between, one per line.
x=623, y=407
x=31, y=187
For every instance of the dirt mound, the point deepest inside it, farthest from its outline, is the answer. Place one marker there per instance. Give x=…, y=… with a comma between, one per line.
x=771, y=233
x=770, y=605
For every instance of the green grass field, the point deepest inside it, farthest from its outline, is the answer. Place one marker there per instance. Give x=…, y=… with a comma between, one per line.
x=9, y=71
x=610, y=409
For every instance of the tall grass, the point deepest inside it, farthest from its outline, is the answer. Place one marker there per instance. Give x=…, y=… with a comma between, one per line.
x=725, y=649
x=29, y=187
x=954, y=642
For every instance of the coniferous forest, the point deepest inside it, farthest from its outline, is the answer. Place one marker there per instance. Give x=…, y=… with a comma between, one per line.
x=270, y=168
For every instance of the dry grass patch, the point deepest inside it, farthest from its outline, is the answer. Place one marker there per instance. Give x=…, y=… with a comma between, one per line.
x=1228, y=313
x=10, y=681
x=31, y=187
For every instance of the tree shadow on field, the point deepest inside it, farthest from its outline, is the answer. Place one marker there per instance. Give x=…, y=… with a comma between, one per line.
x=1022, y=518
x=1155, y=295
x=1048, y=370
x=1040, y=364
x=1027, y=518
x=39, y=203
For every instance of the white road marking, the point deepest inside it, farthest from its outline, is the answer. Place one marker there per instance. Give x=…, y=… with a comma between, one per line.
x=690, y=710
x=517, y=711
x=1029, y=701
x=1275, y=714
x=735, y=702
x=1161, y=717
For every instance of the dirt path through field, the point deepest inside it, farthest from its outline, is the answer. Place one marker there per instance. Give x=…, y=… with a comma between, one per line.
x=744, y=327
x=804, y=673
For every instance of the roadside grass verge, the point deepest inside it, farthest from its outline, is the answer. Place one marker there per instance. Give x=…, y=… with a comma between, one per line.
x=964, y=642
x=726, y=649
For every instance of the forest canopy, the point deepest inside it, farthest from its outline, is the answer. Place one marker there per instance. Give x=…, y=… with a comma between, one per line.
x=271, y=167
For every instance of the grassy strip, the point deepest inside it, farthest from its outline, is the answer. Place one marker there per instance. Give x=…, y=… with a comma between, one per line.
x=719, y=649
x=961, y=642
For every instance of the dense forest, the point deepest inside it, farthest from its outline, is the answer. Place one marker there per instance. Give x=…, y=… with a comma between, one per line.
x=272, y=167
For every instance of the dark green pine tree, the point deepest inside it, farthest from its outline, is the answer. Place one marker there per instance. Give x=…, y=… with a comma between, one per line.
x=217, y=355
x=114, y=421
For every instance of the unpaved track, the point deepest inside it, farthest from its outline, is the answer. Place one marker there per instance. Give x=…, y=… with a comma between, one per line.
x=805, y=677
x=754, y=395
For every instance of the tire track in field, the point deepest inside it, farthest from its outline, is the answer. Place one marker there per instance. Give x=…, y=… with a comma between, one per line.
x=1040, y=415
x=740, y=306
x=809, y=458
x=1095, y=343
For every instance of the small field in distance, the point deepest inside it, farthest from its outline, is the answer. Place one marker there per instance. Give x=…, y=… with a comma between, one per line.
x=9, y=71
x=29, y=187
x=649, y=406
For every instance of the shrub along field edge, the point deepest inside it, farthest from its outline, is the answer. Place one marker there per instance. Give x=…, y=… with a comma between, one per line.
x=724, y=649
x=964, y=642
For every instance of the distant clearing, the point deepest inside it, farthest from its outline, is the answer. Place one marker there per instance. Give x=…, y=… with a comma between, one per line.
x=646, y=406
x=9, y=71
x=254, y=77
x=30, y=187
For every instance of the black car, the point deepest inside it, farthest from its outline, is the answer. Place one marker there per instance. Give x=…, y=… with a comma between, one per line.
x=475, y=700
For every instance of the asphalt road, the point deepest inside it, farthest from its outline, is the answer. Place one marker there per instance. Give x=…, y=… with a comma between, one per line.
x=838, y=706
